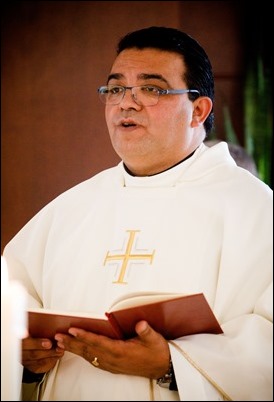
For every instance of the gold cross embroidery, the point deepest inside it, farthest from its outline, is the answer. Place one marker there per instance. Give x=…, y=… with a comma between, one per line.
x=128, y=256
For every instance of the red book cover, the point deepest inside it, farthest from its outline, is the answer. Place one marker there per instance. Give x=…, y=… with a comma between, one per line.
x=172, y=318
x=45, y=324
x=171, y=315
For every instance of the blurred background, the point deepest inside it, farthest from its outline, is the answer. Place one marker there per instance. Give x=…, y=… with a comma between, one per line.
x=55, y=54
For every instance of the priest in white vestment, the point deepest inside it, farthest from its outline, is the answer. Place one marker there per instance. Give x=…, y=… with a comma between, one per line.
x=203, y=225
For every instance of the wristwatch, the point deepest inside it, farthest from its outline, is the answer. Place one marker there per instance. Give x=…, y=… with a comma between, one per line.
x=167, y=379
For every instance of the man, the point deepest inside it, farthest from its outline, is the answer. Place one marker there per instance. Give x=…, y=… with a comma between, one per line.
x=173, y=216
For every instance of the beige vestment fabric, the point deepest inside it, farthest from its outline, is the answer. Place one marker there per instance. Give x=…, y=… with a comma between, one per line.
x=208, y=225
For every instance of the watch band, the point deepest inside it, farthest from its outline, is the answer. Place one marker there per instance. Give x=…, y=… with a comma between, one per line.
x=166, y=380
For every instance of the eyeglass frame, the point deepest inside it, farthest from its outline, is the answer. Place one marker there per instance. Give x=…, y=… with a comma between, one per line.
x=160, y=92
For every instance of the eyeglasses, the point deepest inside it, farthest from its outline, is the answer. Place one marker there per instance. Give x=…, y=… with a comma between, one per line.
x=143, y=95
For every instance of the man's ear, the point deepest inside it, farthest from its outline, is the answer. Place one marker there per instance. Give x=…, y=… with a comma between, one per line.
x=201, y=110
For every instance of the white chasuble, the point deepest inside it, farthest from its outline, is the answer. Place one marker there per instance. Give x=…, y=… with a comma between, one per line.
x=202, y=226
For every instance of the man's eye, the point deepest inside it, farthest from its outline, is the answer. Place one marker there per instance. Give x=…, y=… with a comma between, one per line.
x=150, y=89
x=115, y=90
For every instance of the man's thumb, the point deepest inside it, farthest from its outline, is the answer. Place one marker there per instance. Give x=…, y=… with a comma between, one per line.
x=143, y=329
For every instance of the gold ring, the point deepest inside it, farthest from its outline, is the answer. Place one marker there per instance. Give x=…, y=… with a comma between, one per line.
x=95, y=362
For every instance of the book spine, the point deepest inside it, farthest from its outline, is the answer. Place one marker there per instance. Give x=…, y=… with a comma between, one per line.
x=116, y=327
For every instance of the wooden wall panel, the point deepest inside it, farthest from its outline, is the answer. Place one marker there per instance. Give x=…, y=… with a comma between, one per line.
x=220, y=27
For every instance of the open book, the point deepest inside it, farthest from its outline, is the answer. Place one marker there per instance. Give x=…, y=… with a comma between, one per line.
x=172, y=315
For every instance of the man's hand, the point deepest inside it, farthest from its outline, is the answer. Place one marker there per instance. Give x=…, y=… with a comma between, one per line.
x=146, y=355
x=40, y=355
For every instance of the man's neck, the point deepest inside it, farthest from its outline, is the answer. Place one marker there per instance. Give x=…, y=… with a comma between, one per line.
x=178, y=163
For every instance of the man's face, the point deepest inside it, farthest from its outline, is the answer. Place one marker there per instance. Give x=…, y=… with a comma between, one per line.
x=150, y=139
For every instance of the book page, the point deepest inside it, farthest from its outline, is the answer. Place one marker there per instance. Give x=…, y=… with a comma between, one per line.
x=126, y=301
x=141, y=298
x=82, y=314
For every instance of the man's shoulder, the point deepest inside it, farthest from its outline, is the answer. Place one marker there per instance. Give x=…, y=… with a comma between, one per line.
x=105, y=179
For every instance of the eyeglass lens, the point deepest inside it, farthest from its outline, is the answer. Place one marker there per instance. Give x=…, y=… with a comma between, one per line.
x=142, y=95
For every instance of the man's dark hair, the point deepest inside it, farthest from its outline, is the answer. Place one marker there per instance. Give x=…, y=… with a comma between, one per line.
x=198, y=74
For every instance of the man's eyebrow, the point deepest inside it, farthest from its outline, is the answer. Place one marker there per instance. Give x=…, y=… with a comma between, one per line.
x=143, y=76
x=115, y=77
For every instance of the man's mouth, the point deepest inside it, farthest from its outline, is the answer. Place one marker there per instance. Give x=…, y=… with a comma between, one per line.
x=128, y=124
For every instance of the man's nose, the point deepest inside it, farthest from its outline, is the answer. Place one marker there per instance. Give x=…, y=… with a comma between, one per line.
x=129, y=99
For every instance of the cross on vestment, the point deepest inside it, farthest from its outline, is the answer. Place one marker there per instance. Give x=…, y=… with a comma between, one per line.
x=127, y=256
